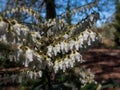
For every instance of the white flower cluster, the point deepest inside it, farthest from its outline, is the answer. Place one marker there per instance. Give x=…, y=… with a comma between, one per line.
x=70, y=45
x=3, y=27
x=3, y=38
x=68, y=62
x=28, y=55
x=21, y=33
x=15, y=36
x=31, y=46
x=79, y=9
x=22, y=9
x=36, y=35
x=86, y=76
x=50, y=22
x=49, y=62
x=17, y=33
x=34, y=74
x=55, y=26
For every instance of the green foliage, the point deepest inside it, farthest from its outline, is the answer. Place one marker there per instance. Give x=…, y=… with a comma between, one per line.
x=4, y=47
x=3, y=62
x=91, y=86
x=117, y=24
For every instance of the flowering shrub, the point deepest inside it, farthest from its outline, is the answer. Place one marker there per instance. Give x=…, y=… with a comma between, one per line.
x=55, y=44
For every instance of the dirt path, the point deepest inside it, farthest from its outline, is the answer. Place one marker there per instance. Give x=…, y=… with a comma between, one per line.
x=104, y=63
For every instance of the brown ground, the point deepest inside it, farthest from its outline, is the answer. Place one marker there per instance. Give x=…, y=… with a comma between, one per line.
x=104, y=63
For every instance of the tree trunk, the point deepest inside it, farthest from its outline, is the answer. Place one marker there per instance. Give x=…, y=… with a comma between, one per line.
x=50, y=9
x=48, y=74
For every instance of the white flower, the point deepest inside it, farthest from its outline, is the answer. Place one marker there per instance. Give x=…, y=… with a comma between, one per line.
x=29, y=54
x=91, y=17
x=92, y=36
x=37, y=57
x=49, y=54
x=89, y=42
x=17, y=29
x=71, y=64
x=31, y=74
x=3, y=38
x=85, y=35
x=78, y=57
x=18, y=39
x=66, y=47
x=80, y=45
x=50, y=51
x=50, y=48
x=40, y=73
x=55, y=51
x=83, y=81
x=77, y=46
x=71, y=44
x=49, y=32
x=66, y=62
x=11, y=57
x=72, y=57
x=25, y=30
x=35, y=75
x=83, y=74
x=49, y=62
x=62, y=47
x=3, y=26
x=61, y=65
x=13, y=10
x=58, y=47
x=35, y=35
x=80, y=40
x=26, y=63
x=66, y=36
x=56, y=67
x=19, y=52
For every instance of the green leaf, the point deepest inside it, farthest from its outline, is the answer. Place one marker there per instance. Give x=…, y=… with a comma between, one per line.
x=91, y=86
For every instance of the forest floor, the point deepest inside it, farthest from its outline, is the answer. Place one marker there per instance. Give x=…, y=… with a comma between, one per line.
x=104, y=63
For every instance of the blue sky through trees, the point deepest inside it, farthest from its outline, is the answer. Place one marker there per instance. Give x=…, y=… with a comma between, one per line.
x=106, y=8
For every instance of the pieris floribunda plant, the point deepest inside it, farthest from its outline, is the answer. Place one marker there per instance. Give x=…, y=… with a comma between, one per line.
x=54, y=46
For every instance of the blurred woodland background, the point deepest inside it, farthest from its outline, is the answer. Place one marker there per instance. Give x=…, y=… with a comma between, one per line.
x=103, y=59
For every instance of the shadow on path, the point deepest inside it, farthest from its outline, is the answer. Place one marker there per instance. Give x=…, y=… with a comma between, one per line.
x=104, y=63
